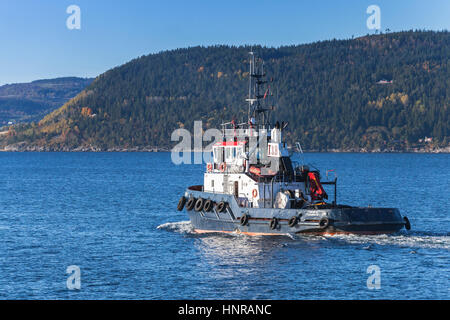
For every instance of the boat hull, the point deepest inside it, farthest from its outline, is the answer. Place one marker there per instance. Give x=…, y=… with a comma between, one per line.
x=318, y=220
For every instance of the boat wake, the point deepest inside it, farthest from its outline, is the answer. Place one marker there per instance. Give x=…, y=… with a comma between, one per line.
x=183, y=227
x=411, y=240
x=405, y=240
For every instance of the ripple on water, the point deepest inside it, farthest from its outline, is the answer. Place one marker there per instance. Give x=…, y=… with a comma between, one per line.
x=411, y=240
x=405, y=240
x=108, y=213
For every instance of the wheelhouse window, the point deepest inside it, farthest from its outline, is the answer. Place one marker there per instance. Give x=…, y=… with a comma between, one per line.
x=218, y=154
x=227, y=153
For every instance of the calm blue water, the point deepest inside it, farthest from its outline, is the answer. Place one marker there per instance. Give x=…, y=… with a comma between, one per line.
x=113, y=215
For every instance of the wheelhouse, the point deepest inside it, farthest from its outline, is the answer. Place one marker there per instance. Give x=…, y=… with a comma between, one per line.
x=228, y=152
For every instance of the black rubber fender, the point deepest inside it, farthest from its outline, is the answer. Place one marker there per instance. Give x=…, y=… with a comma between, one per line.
x=293, y=221
x=221, y=206
x=273, y=223
x=181, y=203
x=191, y=203
x=244, y=219
x=199, y=204
x=324, y=223
x=407, y=223
x=208, y=205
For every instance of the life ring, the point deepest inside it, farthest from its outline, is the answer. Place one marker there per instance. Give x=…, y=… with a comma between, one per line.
x=324, y=222
x=222, y=167
x=191, y=203
x=199, y=204
x=273, y=223
x=254, y=193
x=244, y=219
x=181, y=203
x=293, y=221
x=208, y=205
x=221, y=206
x=209, y=167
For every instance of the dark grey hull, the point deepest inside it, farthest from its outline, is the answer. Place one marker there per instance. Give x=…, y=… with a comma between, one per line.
x=329, y=220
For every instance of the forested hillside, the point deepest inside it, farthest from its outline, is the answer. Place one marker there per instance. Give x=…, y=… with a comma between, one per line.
x=380, y=92
x=32, y=101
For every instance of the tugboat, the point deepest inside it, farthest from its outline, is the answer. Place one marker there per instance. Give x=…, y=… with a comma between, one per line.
x=253, y=187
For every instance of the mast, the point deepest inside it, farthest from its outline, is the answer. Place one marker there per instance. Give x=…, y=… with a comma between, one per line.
x=255, y=95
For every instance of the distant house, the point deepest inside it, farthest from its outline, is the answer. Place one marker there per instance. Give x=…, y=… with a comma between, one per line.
x=426, y=140
x=385, y=81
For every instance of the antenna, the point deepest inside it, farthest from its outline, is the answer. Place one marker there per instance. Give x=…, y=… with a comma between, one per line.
x=251, y=71
x=256, y=80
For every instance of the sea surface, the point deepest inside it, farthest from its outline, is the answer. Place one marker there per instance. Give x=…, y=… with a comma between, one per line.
x=113, y=215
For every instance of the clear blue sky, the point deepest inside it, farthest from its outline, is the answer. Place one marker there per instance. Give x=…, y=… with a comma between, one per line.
x=35, y=42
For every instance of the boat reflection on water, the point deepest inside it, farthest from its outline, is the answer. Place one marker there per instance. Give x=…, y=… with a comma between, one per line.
x=246, y=255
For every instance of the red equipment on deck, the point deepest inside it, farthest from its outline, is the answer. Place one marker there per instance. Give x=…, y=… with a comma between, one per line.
x=315, y=188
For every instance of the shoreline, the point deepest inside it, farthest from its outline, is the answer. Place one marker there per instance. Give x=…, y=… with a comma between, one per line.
x=25, y=147
x=14, y=149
